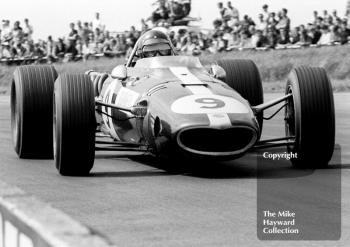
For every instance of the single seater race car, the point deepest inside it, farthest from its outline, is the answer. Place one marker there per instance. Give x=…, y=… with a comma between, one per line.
x=167, y=106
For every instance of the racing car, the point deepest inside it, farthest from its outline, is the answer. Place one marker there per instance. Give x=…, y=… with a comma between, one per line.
x=167, y=105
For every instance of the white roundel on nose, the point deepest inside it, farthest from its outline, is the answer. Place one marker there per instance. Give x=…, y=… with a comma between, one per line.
x=208, y=104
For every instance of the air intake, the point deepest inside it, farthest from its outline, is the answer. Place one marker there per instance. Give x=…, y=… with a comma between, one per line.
x=216, y=142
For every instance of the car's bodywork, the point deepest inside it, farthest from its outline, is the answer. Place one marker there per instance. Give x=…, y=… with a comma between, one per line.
x=188, y=109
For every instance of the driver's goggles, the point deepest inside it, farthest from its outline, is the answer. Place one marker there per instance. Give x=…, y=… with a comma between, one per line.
x=166, y=52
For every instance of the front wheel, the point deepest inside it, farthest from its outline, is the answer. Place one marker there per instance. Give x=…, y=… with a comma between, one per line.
x=244, y=77
x=74, y=125
x=309, y=117
x=31, y=111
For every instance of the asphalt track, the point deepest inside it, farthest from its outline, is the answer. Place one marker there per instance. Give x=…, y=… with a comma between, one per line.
x=137, y=203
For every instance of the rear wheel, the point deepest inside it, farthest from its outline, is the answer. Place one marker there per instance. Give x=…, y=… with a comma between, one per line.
x=31, y=111
x=74, y=125
x=244, y=77
x=310, y=117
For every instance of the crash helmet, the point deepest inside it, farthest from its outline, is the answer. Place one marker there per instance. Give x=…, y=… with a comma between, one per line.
x=154, y=43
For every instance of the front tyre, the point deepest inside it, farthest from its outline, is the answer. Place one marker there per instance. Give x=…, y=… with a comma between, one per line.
x=74, y=125
x=310, y=117
x=31, y=111
x=244, y=77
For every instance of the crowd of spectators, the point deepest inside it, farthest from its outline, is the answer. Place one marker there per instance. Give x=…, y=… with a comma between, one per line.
x=231, y=31
x=84, y=40
x=271, y=30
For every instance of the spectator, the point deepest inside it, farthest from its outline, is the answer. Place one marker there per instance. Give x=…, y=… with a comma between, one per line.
x=117, y=49
x=218, y=44
x=128, y=47
x=314, y=34
x=344, y=33
x=73, y=34
x=107, y=36
x=325, y=37
x=233, y=12
x=107, y=49
x=283, y=26
x=202, y=41
x=29, y=47
x=72, y=43
x=294, y=36
x=72, y=49
x=60, y=48
x=319, y=21
x=236, y=38
x=224, y=12
x=50, y=50
x=258, y=40
x=181, y=38
x=325, y=15
x=133, y=34
x=226, y=28
x=271, y=37
x=86, y=51
x=162, y=13
x=18, y=50
x=98, y=36
x=177, y=11
x=271, y=20
x=245, y=24
x=246, y=41
x=335, y=15
x=80, y=29
x=186, y=5
x=191, y=47
x=6, y=32
x=6, y=50
x=121, y=45
x=27, y=30
x=96, y=23
x=266, y=13
x=304, y=37
x=86, y=31
x=17, y=33
x=79, y=46
x=261, y=24
x=38, y=50
x=328, y=21
x=217, y=25
x=315, y=17
x=334, y=34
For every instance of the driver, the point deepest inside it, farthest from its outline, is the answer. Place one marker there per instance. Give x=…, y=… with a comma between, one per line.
x=154, y=43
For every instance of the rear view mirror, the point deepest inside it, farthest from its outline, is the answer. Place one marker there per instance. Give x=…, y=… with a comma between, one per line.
x=119, y=72
x=218, y=72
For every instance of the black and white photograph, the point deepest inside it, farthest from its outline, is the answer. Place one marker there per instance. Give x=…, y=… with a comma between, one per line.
x=174, y=123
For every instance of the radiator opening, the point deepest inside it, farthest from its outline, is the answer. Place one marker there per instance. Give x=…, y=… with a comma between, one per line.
x=207, y=140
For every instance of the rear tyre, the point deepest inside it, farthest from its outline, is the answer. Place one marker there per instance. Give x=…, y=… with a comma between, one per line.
x=310, y=117
x=74, y=125
x=244, y=77
x=31, y=111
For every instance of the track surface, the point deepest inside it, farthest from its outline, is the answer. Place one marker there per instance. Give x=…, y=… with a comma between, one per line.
x=138, y=204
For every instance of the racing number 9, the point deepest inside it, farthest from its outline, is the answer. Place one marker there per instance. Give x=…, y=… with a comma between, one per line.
x=210, y=103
